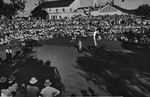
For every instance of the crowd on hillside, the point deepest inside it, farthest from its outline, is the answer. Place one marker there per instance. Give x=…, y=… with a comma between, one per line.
x=10, y=88
x=112, y=27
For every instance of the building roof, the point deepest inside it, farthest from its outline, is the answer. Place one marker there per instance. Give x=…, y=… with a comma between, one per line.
x=55, y=4
x=115, y=8
x=80, y=8
x=125, y=10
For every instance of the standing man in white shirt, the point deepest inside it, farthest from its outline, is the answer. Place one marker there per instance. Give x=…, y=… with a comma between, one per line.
x=94, y=36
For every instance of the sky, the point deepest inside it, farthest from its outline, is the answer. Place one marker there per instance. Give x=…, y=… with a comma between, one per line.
x=127, y=4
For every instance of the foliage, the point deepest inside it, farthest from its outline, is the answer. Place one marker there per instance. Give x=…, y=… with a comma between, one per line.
x=8, y=10
x=143, y=10
x=19, y=5
x=39, y=12
x=36, y=11
x=12, y=8
x=1, y=3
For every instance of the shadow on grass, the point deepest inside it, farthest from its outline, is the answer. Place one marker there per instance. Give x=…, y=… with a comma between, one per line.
x=118, y=73
x=136, y=46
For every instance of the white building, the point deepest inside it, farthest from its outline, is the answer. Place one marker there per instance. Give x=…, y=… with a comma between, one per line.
x=66, y=8
x=61, y=9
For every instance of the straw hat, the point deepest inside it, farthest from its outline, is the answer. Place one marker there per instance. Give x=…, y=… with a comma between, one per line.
x=33, y=80
x=3, y=79
x=47, y=82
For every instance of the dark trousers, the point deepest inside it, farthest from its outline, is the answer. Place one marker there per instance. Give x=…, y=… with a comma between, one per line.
x=8, y=58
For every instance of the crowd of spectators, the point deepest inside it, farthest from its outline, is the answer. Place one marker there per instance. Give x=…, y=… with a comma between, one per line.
x=16, y=31
x=111, y=27
x=10, y=88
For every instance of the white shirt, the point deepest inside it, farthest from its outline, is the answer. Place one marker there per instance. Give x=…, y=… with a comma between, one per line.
x=94, y=34
x=49, y=91
x=8, y=51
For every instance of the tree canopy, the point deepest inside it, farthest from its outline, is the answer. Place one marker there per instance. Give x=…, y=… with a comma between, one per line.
x=12, y=8
x=1, y=3
x=19, y=5
x=143, y=10
x=39, y=12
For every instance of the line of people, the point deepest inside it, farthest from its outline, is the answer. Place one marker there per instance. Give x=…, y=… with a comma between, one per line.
x=10, y=88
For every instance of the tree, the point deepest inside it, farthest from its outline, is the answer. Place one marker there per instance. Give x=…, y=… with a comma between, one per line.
x=19, y=5
x=8, y=10
x=44, y=14
x=38, y=11
x=143, y=10
x=12, y=8
x=1, y=3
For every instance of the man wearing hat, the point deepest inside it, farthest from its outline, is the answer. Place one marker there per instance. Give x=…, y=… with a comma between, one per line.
x=2, y=82
x=6, y=91
x=13, y=85
x=49, y=91
x=32, y=89
x=3, y=79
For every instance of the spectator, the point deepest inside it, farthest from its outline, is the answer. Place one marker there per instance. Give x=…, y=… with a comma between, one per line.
x=2, y=82
x=49, y=91
x=94, y=37
x=5, y=89
x=6, y=93
x=80, y=46
x=20, y=30
x=13, y=86
x=22, y=91
x=32, y=89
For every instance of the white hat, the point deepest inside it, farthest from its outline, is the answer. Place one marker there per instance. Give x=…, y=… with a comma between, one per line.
x=33, y=80
x=47, y=82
